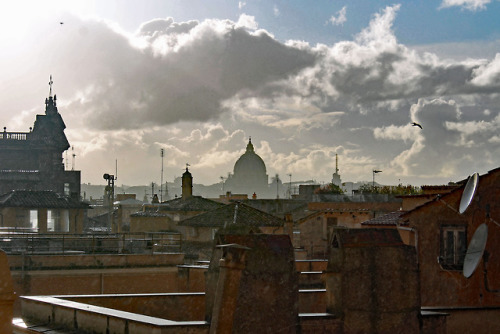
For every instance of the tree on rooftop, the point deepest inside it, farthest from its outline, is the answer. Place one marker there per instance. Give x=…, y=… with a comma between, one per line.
x=329, y=189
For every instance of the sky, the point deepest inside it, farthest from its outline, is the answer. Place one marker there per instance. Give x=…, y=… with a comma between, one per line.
x=305, y=80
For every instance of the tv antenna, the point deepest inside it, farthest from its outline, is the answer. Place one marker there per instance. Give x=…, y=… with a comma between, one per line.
x=162, y=153
x=290, y=186
x=222, y=182
x=73, y=156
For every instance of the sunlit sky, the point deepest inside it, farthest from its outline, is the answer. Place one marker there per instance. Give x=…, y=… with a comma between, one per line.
x=306, y=80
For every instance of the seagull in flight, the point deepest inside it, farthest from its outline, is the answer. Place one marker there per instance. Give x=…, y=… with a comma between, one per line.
x=416, y=124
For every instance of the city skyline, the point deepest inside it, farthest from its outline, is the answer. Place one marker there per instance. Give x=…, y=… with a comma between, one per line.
x=305, y=82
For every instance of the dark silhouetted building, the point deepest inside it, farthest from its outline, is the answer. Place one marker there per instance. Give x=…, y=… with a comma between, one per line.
x=34, y=160
x=249, y=175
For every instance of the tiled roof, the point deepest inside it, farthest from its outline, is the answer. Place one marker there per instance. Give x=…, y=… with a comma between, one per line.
x=238, y=213
x=39, y=199
x=388, y=219
x=190, y=204
x=148, y=214
x=129, y=201
x=193, y=203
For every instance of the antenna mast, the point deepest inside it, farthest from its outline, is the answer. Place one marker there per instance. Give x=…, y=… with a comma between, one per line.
x=73, y=155
x=161, y=181
x=336, y=163
x=277, y=187
x=290, y=187
x=50, y=84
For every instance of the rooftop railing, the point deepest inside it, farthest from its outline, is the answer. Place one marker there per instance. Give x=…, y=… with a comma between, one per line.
x=13, y=135
x=27, y=241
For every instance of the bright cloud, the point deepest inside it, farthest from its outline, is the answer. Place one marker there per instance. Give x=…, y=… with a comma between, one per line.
x=340, y=18
x=472, y=5
x=200, y=89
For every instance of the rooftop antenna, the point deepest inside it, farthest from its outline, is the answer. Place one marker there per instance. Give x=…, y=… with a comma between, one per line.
x=277, y=186
x=222, y=181
x=375, y=171
x=290, y=187
x=116, y=169
x=162, y=153
x=50, y=84
x=73, y=155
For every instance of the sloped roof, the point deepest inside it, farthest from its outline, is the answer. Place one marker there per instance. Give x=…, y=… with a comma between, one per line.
x=190, y=204
x=129, y=201
x=492, y=173
x=389, y=219
x=238, y=213
x=39, y=199
x=193, y=203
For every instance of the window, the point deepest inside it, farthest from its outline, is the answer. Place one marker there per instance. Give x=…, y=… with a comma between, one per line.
x=57, y=220
x=51, y=220
x=67, y=189
x=64, y=218
x=296, y=238
x=453, y=246
x=34, y=219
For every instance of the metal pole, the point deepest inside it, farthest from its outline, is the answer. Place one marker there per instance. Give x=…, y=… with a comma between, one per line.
x=161, y=182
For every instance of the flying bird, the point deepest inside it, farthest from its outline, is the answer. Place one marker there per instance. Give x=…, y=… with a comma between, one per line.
x=416, y=124
x=61, y=22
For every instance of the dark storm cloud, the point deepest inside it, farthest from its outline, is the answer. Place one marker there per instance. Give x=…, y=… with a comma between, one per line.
x=176, y=72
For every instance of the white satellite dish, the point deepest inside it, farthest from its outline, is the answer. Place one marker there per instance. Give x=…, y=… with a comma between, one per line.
x=469, y=192
x=475, y=250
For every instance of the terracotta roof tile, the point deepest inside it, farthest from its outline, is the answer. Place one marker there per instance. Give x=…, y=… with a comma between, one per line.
x=388, y=219
x=235, y=212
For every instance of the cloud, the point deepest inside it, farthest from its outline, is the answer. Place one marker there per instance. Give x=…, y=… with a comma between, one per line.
x=340, y=18
x=199, y=89
x=181, y=71
x=276, y=11
x=247, y=21
x=472, y=5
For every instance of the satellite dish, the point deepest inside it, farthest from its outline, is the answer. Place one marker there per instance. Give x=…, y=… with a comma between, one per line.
x=469, y=192
x=475, y=250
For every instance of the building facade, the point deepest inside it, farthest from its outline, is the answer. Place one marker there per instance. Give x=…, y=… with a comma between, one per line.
x=34, y=160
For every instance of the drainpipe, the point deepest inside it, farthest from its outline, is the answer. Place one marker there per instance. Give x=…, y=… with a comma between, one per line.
x=486, y=256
